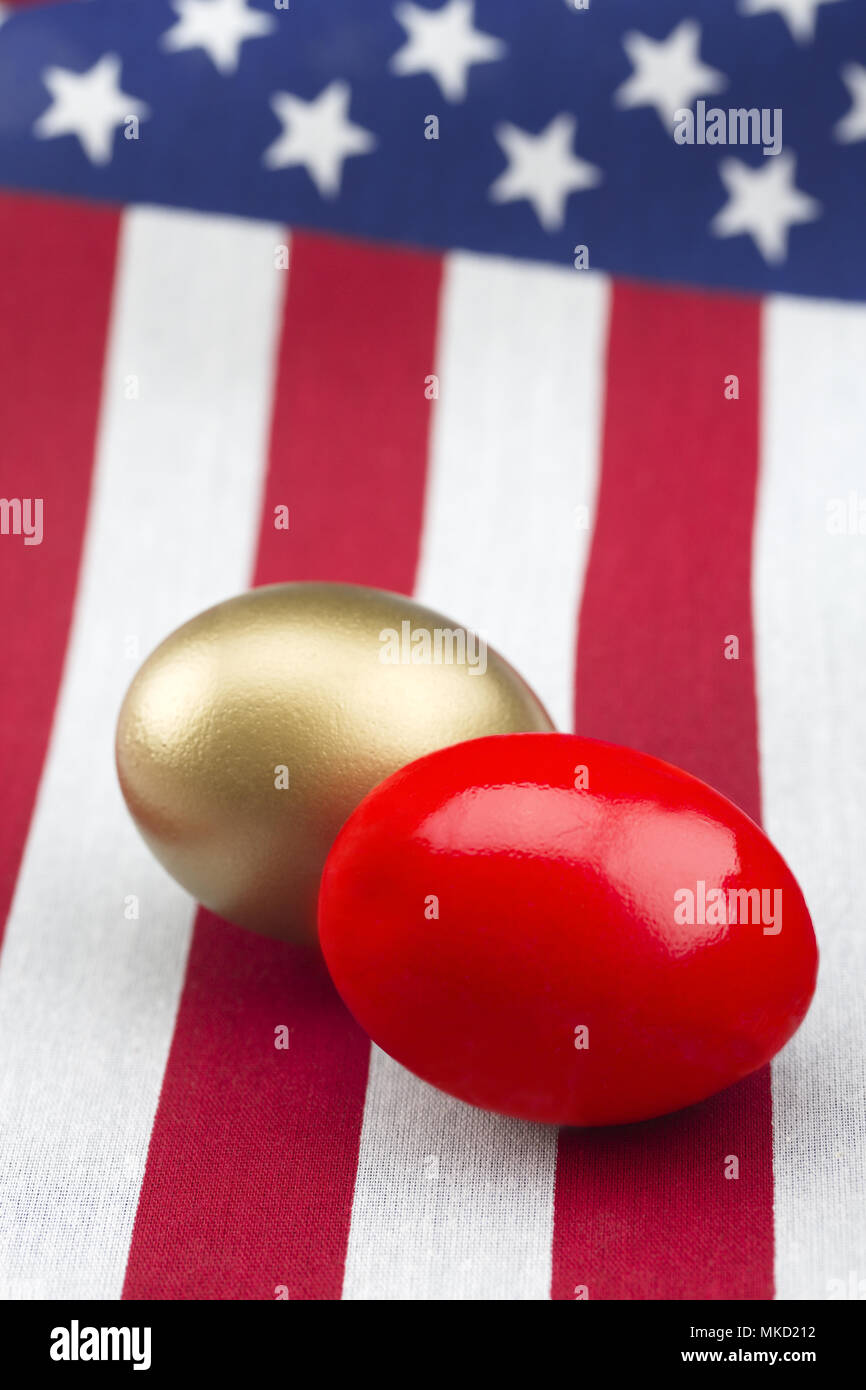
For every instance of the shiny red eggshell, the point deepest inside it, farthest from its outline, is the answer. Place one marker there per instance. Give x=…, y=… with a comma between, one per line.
x=556, y=914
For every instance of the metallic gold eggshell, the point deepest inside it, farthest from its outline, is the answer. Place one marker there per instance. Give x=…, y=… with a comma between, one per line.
x=290, y=677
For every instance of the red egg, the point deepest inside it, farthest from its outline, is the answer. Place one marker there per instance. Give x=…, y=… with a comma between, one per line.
x=564, y=930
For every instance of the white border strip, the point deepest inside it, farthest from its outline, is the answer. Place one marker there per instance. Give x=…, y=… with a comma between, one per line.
x=810, y=627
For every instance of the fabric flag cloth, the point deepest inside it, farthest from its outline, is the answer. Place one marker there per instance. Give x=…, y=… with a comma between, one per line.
x=480, y=293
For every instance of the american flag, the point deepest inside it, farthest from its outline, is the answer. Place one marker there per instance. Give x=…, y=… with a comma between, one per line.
x=461, y=285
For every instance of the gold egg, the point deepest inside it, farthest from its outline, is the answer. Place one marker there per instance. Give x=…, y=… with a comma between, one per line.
x=253, y=731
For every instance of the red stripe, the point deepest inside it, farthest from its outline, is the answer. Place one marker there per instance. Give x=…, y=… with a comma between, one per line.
x=57, y=264
x=350, y=416
x=252, y=1161
x=646, y=1212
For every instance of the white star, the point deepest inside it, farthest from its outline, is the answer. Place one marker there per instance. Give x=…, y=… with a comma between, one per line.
x=801, y=15
x=445, y=43
x=668, y=73
x=90, y=105
x=220, y=27
x=543, y=169
x=317, y=134
x=853, y=124
x=764, y=203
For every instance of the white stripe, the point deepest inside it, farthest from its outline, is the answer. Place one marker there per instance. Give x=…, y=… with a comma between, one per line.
x=450, y=1202
x=514, y=456
x=810, y=617
x=88, y=998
